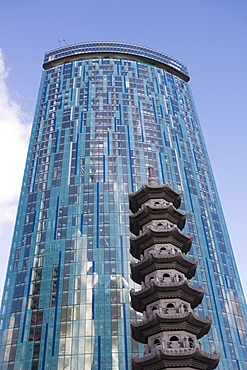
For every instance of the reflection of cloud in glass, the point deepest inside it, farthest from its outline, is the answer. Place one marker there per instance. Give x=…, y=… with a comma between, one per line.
x=84, y=284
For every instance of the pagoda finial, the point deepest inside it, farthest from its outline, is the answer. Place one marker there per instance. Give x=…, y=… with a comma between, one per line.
x=151, y=178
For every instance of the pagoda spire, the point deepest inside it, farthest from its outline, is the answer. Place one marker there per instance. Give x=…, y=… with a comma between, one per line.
x=170, y=328
x=151, y=178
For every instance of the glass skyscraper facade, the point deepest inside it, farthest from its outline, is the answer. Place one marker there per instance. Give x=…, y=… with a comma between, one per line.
x=105, y=112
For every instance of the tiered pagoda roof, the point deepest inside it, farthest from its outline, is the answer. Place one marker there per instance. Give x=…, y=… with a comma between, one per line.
x=157, y=322
x=151, y=212
x=153, y=191
x=191, y=358
x=153, y=291
x=156, y=261
x=159, y=235
x=170, y=327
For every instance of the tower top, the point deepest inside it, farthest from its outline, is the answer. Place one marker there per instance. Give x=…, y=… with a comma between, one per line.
x=115, y=50
x=152, y=190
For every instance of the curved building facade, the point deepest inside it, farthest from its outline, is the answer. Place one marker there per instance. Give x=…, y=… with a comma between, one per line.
x=105, y=112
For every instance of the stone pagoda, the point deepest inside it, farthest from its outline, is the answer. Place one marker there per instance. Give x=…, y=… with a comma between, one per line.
x=170, y=327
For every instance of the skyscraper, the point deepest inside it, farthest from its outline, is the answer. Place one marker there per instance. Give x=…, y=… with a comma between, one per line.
x=105, y=112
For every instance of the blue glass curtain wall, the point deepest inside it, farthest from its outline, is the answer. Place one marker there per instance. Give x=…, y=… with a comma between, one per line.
x=99, y=124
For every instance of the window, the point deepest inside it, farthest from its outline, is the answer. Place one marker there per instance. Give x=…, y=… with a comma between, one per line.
x=157, y=342
x=166, y=275
x=174, y=338
x=170, y=305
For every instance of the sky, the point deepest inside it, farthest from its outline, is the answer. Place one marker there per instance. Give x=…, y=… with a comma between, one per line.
x=208, y=36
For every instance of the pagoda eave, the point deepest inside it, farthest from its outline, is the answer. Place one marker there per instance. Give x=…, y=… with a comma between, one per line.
x=153, y=236
x=155, y=261
x=161, y=212
x=155, y=291
x=177, y=359
x=147, y=192
x=189, y=322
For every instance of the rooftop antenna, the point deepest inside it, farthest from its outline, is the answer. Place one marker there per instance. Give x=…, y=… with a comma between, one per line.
x=60, y=41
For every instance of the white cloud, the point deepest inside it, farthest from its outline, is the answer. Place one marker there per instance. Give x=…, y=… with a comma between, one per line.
x=14, y=133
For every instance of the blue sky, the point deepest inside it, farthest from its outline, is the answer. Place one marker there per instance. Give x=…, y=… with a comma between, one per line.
x=208, y=36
